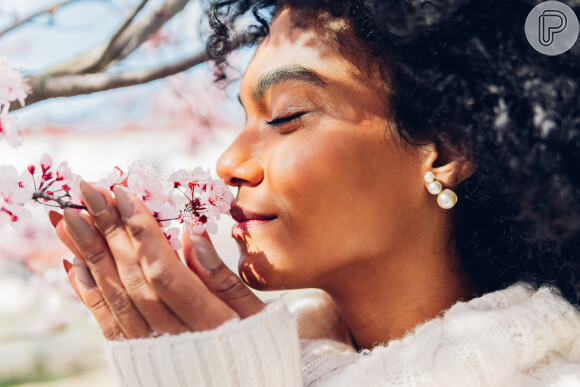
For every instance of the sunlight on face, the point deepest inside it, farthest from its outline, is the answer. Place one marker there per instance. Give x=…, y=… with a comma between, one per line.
x=317, y=153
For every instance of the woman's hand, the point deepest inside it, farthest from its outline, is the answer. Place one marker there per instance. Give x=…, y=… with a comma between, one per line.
x=133, y=281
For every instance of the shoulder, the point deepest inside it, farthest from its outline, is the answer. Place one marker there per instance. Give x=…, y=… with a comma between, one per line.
x=515, y=333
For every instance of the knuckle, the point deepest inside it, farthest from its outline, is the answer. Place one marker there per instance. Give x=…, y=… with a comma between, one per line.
x=134, y=282
x=137, y=230
x=120, y=303
x=159, y=277
x=97, y=304
x=100, y=309
x=110, y=228
x=110, y=332
x=231, y=287
x=96, y=255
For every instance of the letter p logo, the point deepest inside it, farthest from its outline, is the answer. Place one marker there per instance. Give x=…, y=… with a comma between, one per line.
x=552, y=28
x=551, y=22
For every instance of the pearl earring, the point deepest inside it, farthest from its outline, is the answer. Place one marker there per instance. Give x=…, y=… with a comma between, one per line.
x=445, y=197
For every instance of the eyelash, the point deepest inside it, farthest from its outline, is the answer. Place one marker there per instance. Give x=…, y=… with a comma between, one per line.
x=282, y=120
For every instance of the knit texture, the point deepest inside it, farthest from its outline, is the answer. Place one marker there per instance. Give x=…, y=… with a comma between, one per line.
x=261, y=350
x=513, y=337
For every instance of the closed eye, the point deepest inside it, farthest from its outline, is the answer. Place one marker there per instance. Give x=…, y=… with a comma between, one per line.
x=281, y=120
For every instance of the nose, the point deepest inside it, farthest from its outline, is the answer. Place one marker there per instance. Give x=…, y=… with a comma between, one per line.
x=239, y=164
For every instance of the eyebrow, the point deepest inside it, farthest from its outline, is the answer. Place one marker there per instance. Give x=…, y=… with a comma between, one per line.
x=283, y=74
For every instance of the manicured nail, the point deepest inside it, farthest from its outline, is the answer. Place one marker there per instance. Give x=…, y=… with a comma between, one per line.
x=123, y=201
x=79, y=229
x=54, y=217
x=95, y=201
x=84, y=278
x=205, y=252
x=67, y=265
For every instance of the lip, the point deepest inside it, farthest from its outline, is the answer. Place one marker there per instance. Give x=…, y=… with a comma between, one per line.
x=242, y=227
x=240, y=215
x=247, y=219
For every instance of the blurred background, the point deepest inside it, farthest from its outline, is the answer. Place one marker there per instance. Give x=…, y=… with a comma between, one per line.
x=169, y=112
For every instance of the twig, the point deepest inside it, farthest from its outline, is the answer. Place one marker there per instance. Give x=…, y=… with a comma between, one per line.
x=129, y=40
x=34, y=15
x=107, y=53
x=76, y=84
x=43, y=195
x=137, y=33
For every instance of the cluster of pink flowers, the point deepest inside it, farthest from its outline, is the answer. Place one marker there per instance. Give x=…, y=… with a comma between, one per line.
x=12, y=88
x=191, y=198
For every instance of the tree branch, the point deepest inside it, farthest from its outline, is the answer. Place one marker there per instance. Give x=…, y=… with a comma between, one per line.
x=107, y=54
x=41, y=194
x=44, y=87
x=50, y=10
x=79, y=84
x=128, y=41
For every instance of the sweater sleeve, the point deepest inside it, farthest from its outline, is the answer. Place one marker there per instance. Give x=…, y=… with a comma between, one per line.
x=512, y=337
x=260, y=350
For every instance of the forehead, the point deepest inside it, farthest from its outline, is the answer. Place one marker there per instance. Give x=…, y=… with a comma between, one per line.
x=294, y=40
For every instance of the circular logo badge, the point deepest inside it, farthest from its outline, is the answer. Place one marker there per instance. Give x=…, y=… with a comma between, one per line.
x=552, y=28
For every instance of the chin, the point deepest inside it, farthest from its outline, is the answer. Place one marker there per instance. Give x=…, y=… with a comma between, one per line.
x=264, y=268
x=257, y=272
x=262, y=273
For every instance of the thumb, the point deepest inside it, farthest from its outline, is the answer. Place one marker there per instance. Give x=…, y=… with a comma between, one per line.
x=202, y=258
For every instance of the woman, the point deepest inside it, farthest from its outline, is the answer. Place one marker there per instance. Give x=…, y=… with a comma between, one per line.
x=416, y=163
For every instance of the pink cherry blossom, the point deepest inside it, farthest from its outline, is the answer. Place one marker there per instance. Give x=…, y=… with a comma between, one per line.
x=45, y=162
x=116, y=176
x=62, y=185
x=15, y=191
x=172, y=235
x=12, y=86
x=9, y=131
x=219, y=198
x=147, y=184
x=191, y=198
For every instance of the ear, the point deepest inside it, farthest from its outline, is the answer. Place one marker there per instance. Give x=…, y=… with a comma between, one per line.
x=448, y=165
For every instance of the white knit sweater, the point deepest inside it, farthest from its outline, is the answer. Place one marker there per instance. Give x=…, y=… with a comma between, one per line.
x=513, y=337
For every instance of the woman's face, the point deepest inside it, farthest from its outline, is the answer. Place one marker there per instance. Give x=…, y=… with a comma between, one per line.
x=344, y=192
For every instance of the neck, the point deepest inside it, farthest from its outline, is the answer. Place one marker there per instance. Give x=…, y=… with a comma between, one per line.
x=384, y=298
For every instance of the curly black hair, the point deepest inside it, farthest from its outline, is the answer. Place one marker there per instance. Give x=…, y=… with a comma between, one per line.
x=463, y=72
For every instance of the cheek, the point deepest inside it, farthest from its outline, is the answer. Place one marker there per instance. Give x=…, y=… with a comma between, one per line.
x=327, y=181
x=305, y=175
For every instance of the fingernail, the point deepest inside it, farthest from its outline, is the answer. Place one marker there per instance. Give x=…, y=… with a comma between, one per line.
x=205, y=252
x=54, y=217
x=67, y=265
x=84, y=278
x=79, y=229
x=95, y=201
x=123, y=201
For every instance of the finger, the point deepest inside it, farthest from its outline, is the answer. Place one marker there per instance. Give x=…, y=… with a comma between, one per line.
x=62, y=232
x=94, y=249
x=107, y=322
x=66, y=237
x=71, y=277
x=107, y=219
x=203, y=259
x=180, y=289
x=94, y=300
